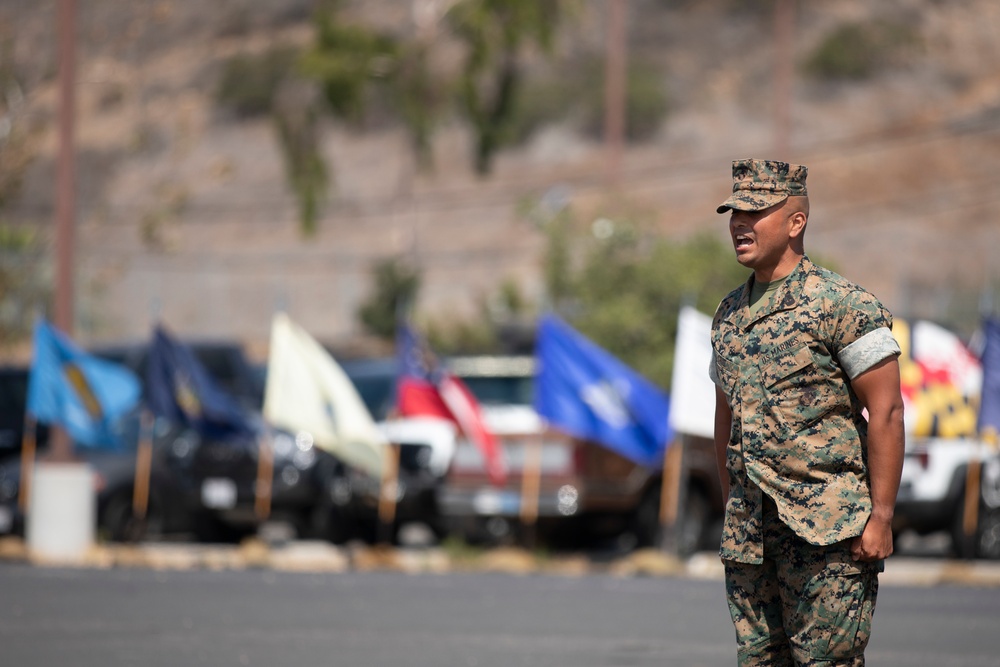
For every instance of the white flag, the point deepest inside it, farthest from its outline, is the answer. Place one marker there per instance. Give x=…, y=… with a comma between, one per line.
x=692, y=392
x=308, y=391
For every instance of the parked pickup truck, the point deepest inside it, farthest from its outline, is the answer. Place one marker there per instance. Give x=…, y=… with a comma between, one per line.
x=586, y=491
x=932, y=493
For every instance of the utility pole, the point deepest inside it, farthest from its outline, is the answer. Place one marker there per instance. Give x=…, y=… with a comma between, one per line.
x=784, y=29
x=60, y=448
x=615, y=67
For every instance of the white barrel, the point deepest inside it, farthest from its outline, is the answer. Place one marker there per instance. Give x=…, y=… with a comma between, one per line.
x=62, y=512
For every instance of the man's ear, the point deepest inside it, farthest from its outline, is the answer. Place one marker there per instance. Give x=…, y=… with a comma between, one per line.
x=797, y=224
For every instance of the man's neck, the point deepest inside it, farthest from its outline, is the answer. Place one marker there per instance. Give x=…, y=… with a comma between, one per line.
x=780, y=271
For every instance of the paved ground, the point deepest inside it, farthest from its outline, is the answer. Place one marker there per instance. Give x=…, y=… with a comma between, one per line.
x=53, y=616
x=912, y=568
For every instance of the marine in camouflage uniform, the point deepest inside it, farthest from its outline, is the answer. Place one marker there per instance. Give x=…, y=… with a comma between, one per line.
x=793, y=435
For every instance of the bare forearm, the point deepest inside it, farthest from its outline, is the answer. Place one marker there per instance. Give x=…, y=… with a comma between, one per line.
x=885, y=460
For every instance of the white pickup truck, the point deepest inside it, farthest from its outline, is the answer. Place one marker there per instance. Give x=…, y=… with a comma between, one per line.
x=932, y=493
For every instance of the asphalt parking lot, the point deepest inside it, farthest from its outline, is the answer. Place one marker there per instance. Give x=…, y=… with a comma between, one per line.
x=918, y=563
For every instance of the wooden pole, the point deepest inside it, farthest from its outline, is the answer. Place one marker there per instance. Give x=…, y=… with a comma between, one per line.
x=265, y=479
x=615, y=68
x=784, y=31
x=143, y=467
x=388, y=490
x=27, y=463
x=531, y=484
x=673, y=457
x=970, y=514
x=60, y=445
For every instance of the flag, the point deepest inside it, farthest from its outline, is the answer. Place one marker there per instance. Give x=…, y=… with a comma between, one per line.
x=425, y=389
x=989, y=410
x=181, y=390
x=945, y=359
x=692, y=399
x=83, y=394
x=307, y=390
x=588, y=393
x=940, y=380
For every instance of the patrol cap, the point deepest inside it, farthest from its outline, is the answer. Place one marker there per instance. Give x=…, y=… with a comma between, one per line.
x=758, y=184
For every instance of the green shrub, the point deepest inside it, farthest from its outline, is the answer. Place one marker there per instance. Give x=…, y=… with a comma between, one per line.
x=248, y=82
x=856, y=51
x=577, y=97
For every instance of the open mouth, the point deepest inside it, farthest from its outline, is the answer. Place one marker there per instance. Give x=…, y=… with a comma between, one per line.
x=743, y=241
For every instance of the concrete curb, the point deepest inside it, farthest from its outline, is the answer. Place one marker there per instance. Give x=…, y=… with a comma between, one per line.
x=317, y=556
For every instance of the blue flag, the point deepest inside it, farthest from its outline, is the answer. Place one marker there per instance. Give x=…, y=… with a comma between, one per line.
x=181, y=390
x=83, y=394
x=989, y=407
x=588, y=393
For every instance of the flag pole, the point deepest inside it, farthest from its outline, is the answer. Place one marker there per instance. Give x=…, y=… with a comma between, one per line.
x=531, y=482
x=670, y=491
x=973, y=481
x=27, y=463
x=143, y=466
x=265, y=478
x=388, y=490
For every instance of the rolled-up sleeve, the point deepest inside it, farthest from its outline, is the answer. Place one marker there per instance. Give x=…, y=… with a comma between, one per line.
x=867, y=351
x=864, y=332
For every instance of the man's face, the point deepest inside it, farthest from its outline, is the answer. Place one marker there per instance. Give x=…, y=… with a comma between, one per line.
x=761, y=238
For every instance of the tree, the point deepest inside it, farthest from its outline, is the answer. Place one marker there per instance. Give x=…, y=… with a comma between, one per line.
x=630, y=287
x=396, y=287
x=24, y=288
x=495, y=32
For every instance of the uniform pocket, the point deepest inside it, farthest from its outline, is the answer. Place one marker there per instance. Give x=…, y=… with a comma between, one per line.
x=796, y=389
x=728, y=374
x=846, y=592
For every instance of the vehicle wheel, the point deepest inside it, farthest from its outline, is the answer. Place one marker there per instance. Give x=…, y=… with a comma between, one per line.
x=340, y=525
x=646, y=520
x=963, y=546
x=694, y=524
x=210, y=528
x=989, y=535
x=118, y=522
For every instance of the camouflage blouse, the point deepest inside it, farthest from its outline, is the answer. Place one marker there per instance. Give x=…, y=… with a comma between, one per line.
x=798, y=433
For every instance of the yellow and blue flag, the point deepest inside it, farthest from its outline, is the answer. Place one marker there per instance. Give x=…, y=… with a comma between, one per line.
x=179, y=389
x=83, y=394
x=588, y=393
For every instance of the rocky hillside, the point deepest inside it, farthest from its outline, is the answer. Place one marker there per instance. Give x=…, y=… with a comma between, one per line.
x=184, y=211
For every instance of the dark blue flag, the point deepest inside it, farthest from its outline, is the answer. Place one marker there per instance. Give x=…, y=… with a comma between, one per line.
x=989, y=407
x=181, y=390
x=83, y=394
x=588, y=393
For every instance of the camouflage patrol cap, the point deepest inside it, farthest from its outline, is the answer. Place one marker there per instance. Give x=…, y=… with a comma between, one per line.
x=758, y=184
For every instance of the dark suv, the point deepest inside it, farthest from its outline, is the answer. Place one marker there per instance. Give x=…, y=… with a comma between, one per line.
x=13, y=399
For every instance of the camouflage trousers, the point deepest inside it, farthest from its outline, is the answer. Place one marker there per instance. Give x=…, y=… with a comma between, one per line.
x=804, y=605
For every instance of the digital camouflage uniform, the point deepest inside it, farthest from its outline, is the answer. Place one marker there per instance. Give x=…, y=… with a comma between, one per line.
x=797, y=454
